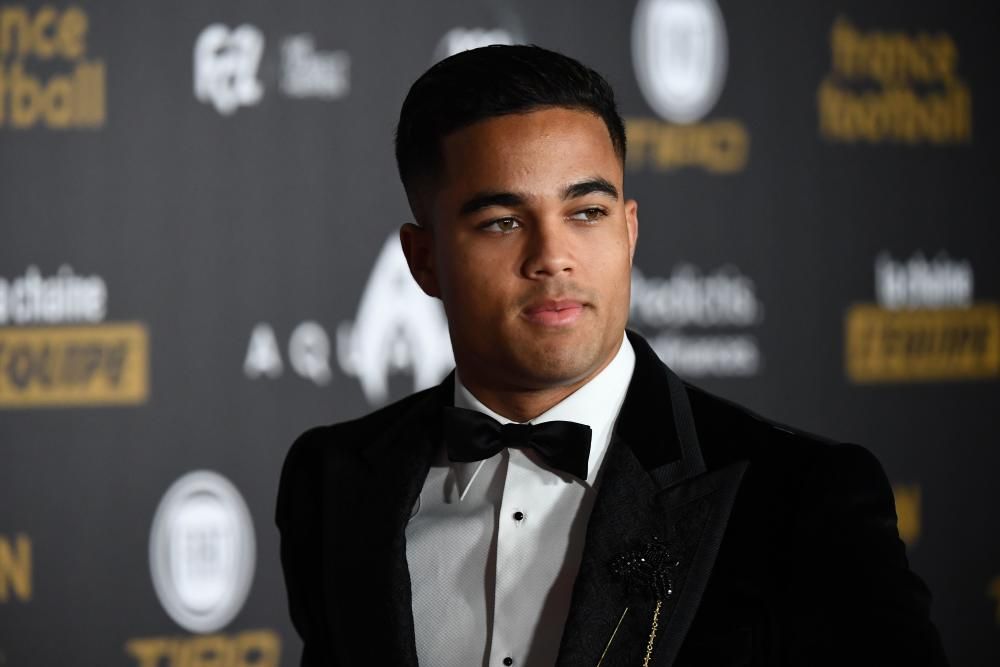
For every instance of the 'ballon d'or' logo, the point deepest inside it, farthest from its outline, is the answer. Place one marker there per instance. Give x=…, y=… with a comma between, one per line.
x=201, y=551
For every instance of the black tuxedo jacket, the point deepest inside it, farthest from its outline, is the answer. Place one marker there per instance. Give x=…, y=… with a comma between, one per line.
x=786, y=545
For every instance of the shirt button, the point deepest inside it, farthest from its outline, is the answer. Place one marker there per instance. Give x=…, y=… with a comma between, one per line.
x=509, y=660
x=518, y=516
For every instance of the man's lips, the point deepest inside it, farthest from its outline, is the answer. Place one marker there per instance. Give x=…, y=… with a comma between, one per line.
x=554, y=312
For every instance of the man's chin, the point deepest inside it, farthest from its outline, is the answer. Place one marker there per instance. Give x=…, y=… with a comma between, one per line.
x=558, y=363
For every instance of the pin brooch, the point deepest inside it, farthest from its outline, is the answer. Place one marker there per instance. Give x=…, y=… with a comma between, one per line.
x=646, y=569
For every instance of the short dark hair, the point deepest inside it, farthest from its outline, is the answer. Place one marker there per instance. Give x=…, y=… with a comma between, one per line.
x=492, y=81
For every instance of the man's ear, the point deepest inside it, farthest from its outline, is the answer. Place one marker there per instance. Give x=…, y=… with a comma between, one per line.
x=418, y=249
x=632, y=224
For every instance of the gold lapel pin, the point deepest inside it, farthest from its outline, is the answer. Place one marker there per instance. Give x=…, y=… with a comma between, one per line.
x=647, y=569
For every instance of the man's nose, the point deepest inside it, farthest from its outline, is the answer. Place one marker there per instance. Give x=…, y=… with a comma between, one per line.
x=549, y=249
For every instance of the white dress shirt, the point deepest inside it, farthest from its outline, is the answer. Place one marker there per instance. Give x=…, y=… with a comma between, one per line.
x=493, y=547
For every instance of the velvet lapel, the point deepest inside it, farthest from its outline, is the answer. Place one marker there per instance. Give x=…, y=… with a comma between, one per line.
x=653, y=484
x=375, y=501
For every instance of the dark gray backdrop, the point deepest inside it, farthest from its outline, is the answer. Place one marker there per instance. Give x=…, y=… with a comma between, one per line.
x=204, y=225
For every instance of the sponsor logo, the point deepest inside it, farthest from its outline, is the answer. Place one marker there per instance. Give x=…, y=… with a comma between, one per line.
x=461, y=39
x=910, y=345
x=64, y=297
x=15, y=568
x=71, y=92
x=57, y=366
x=505, y=27
x=925, y=326
x=680, y=53
x=679, y=50
x=398, y=328
x=263, y=358
x=993, y=591
x=90, y=362
x=917, y=283
x=308, y=352
x=225, y=67
x=306, y=72
x=698, y=322
x=202, y=551
x=908, y=512
x=893, y=87
x=228, y=63
x=256, y=648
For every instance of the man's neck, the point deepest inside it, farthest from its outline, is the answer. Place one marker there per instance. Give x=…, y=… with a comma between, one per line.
x=524, y=404
x=521, y=406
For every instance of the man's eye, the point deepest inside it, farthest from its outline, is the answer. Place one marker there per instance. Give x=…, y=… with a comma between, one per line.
x=589, y=214
x=503, y=225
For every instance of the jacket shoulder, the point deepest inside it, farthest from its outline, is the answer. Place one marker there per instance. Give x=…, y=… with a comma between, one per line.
x=811, y=507
x=320, y=447
x=728, y=431
x=355, y=434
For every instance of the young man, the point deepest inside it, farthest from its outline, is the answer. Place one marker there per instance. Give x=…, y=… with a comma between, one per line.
x=637, y=520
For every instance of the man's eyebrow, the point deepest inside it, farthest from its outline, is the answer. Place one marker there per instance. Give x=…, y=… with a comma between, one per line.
x=482, y=200
x=588, y=186
x=485, y=199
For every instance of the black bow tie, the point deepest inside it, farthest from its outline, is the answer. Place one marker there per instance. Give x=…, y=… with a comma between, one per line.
x=473, y=436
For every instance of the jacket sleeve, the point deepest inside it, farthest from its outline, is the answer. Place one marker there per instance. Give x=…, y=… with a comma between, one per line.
x=854, y=599
x=298, y=516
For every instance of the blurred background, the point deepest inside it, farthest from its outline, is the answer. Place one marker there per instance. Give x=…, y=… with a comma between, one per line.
x=198, y=261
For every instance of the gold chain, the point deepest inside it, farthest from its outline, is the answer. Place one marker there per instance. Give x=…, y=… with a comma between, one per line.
x=652, y=634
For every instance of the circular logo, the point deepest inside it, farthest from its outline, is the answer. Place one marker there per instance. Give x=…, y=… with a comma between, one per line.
x=202, y=551
x=679, y=52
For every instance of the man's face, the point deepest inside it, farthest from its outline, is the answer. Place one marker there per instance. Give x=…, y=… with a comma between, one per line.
x=528, y=243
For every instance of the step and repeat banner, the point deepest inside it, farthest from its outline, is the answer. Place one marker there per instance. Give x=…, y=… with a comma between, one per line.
x=198, y=261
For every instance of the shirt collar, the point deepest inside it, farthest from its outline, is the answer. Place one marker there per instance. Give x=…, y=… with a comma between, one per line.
x=595, y=404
